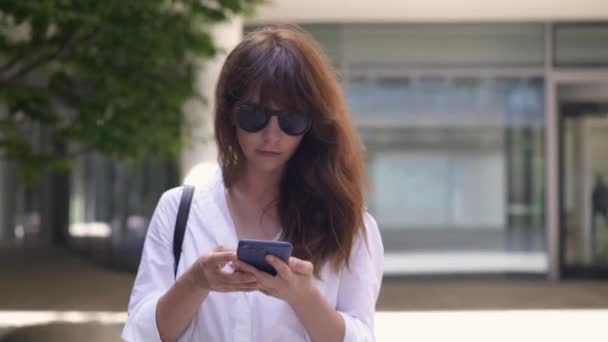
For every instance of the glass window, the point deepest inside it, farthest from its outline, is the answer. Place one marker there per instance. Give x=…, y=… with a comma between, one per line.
x=435, y=101
x=329, y=37
x=111, y=203
x=581, y=45
x=436, y=45
x=429, y=45
x=457, y=165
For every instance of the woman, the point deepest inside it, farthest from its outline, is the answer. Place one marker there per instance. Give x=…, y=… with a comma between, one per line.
x=291, y=168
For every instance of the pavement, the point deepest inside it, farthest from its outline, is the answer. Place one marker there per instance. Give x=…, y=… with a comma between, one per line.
x=50, y=294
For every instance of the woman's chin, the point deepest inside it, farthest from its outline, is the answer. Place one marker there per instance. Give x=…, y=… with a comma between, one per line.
x=268, y=166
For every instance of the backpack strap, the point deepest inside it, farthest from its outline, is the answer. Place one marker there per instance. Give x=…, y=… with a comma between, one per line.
x=180, y=223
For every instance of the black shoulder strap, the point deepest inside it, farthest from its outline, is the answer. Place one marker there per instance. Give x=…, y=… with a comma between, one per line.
x=180, y=223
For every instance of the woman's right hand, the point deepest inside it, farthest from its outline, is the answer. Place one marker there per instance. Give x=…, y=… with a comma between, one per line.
x=210, y=273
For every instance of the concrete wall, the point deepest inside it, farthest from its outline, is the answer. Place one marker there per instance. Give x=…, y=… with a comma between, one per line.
x=199, y=142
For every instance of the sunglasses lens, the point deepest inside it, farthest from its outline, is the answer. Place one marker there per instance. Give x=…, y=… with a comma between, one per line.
x=293, y=123
x=251, y=119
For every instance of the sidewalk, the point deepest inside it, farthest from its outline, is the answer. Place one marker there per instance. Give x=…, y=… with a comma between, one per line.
x=41, y=278
x=44, y=280
x=44, y=284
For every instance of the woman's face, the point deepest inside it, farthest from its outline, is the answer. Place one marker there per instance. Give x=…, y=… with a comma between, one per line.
x=270, y=148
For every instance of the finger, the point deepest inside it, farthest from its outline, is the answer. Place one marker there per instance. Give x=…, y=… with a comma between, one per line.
x=238, y=288
x=227, y=274
x=220, y=248
x=220, y=252
x=261, y=276
x=242, y=290
x=300, y=266
x=270, y=289
x=266, y=291
x=245, y=267
x=238, y=278
x=240, y=266
x=280, y=266
x=223, y=257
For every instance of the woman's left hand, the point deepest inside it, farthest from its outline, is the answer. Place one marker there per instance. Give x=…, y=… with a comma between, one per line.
x=293, y=282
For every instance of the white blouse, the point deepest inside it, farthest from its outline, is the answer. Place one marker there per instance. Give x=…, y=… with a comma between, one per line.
x=243, y=316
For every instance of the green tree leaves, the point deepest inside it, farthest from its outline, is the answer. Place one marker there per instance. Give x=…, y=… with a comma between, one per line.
x=108, y=76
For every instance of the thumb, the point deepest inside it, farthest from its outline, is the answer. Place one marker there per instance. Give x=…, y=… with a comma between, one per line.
x=300, y=266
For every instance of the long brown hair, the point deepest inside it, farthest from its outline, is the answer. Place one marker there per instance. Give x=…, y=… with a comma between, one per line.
x=321, y=200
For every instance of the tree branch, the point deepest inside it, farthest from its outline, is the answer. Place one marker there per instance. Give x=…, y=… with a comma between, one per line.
x=22, y=51
x=11, y=63
x=43, y=60
x=63, y=50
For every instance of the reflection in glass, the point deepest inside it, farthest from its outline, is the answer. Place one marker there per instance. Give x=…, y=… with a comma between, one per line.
x=111, y=204
x=457, y=164
x=585, y=184
x=581, y=45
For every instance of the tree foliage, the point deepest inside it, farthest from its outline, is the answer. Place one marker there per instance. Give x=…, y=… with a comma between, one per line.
x=108, y=76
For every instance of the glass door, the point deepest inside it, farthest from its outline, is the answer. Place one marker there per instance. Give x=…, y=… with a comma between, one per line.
x=584, y=180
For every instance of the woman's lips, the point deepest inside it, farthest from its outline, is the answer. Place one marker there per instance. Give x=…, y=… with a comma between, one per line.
x=268, y=153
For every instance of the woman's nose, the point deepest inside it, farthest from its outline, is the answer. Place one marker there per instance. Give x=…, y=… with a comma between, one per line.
x=272, y=131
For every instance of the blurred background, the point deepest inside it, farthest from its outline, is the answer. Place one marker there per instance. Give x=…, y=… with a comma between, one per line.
x=484, y=123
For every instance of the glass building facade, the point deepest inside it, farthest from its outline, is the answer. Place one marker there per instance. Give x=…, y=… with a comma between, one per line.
x=108, y=205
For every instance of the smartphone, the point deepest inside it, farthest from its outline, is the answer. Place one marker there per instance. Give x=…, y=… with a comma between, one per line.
x=254, y=253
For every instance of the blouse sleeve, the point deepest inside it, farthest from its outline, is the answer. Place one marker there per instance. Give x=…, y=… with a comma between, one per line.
x=155, y=273
x=360, y=285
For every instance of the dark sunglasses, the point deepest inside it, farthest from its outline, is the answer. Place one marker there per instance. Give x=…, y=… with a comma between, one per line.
x=253, y=118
